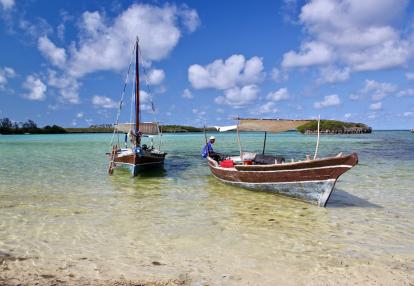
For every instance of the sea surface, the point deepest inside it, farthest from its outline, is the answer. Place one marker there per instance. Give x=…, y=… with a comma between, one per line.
x=63, y=219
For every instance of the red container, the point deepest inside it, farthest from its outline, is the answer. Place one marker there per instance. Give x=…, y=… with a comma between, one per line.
x=227, y=164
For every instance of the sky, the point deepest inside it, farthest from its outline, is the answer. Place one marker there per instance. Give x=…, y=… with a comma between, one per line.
x=206, y=62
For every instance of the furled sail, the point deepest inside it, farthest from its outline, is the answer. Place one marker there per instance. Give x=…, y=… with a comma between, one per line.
x=148, y=128
x=270, y=125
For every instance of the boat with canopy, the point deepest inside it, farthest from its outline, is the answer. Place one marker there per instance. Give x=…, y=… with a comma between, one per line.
x=311, y=180
x=134, y=154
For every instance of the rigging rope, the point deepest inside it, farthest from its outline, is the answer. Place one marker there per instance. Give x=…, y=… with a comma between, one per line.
x=122, y=97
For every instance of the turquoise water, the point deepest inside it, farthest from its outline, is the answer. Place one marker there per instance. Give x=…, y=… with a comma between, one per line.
x=62, y=215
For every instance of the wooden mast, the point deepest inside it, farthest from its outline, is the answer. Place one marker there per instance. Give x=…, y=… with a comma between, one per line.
x=137, y=107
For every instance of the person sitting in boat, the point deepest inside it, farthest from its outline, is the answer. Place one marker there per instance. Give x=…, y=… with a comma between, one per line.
x=208, y=150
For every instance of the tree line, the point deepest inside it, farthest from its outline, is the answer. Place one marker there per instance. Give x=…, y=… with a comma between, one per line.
x=10, y=127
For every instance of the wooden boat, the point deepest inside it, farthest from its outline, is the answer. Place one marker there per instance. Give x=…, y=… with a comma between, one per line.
x=310, y=180
x=137, y=156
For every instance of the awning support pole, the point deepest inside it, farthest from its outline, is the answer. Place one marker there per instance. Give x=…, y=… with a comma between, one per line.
x=264, y=143
x=238, y=141
x=317, y=142
x=205, y=137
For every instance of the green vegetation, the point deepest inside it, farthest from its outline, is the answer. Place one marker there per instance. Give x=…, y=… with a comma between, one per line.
x=9, y=127
x=182, y=128
x=335, y=127
x=90, y=130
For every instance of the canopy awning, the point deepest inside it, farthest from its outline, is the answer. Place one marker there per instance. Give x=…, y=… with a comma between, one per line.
x=148, y=128
x=225, y=128
x=270, y=125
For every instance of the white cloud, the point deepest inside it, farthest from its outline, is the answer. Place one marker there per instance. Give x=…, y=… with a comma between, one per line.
x=354, y=96
x=155, y=76
x=35, y=87
x=361, y=34
x=348, y=115
x=278, y=75
x=226, y=74
x=406, y=92
x=329, y=100
x=68, y=87
x=408, y=114
x=187, y=94
x=190, y=18
x=379, y=90
x=280, y=94
x=311, y=53
x=268, y=107
x=57, y=56
x=79, y=115
x=7, y=4
x=60, y=30
x=409, y=75
x=331, y=74
x=376, y=106
x=238, y=97
x=5, y=74
x=104, y=102
x=106, y=45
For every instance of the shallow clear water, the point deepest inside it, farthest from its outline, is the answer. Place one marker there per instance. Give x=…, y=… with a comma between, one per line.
x=64, y=216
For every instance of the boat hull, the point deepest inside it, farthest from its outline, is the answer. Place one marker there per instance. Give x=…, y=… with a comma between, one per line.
x=140, y=162
x=311, y=181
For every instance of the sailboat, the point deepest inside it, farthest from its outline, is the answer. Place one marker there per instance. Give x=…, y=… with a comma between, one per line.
x=135, y=155
x=311, y=180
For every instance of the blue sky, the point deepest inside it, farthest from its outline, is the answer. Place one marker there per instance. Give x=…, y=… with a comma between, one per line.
x=64, y=62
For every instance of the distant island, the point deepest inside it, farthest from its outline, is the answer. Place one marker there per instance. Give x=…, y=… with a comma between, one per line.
x=334, y=127
x=30, y=127
x=107, y=128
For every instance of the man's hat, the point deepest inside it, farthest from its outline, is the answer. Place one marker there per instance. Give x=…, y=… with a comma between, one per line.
x=212, y=138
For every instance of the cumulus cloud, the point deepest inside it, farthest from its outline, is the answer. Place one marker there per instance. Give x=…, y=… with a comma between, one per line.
x=155, y=76
x=57, y=56
x=235, y=70
x=379, y=90
x=329, y=100
x=311, y=53
x=190, y=18
x=68, y=87
x=105, y=45
x=331, y=74
x=104, y=102
x=238, y=97
x=376, y=106
x=406, y=92
x=278, y=95
x=268, y=107
x=187, y=94
x=36, y=88
x=409, y=75
x=361, y=35
x=7, y=4
x=279, y=75
x=348, y=115
x=5, y=74
x=408, y=113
